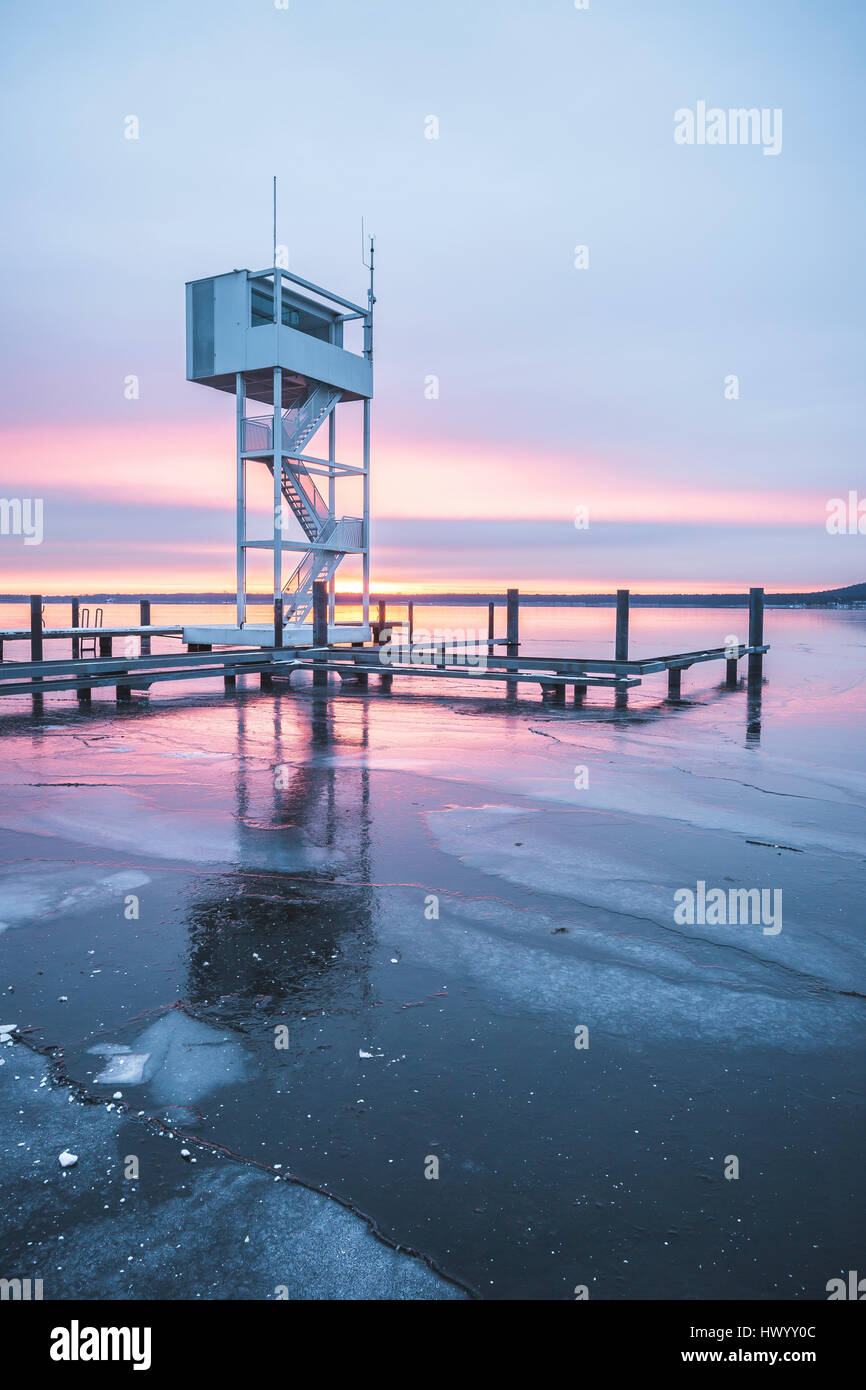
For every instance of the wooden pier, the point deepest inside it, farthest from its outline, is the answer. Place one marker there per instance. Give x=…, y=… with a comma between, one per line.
x=388, y=657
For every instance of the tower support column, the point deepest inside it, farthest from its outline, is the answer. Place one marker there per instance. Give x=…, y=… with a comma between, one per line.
x=277, y=441
x=365, y=617
x=332, y=507
x=241, y=500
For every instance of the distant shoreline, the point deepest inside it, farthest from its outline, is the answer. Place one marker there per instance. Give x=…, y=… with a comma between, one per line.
x=852, y=596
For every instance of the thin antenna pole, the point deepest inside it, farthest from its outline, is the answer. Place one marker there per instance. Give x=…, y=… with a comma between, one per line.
x=275, y=221
x=364, y=260
x=371, y=299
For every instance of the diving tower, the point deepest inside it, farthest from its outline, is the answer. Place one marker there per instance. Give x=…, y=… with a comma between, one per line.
x=273, y=339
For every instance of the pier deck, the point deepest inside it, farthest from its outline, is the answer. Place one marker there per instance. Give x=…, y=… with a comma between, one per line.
x=261, y=634
x=23, y=634
x=553, y=674
x=340, y=649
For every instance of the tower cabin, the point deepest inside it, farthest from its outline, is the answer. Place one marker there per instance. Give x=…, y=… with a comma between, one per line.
x=274, y=340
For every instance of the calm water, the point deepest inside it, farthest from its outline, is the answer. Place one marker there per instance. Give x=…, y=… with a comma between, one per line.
x=433, y=890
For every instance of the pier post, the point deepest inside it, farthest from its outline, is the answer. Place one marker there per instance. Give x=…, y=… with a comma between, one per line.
x=512, y=621
x=144, y=621
x=76, y=622
x=36, y=639
x=320, y=625
x=85, y=695
x=512, y=634
x=105, y=646
x=361, y=678
x=756, y=634
x=35, y=627
x=579, y=693
x=621, y=646
x=379, y=623
x=621, y=641
x=553, y=692
x=675, y=675
x=731, y=673
x=278, y=621
x=491, y=619
x=411, y=619
x=266, y=681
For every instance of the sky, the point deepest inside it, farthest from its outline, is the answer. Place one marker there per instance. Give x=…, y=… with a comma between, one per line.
x=603, y=385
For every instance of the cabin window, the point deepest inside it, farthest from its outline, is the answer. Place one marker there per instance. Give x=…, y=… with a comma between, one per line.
x=295, y=316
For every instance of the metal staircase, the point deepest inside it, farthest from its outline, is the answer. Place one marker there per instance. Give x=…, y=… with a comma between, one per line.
x=301, y=422
x=304, y=498
x=333, y=537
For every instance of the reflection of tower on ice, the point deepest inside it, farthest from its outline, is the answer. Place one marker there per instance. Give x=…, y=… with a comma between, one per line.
x=270, y=337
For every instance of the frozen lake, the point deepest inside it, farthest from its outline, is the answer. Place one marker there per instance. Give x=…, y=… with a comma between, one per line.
x=438, y=893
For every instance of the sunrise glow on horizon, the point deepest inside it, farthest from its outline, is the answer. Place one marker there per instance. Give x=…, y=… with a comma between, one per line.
x=89, y=470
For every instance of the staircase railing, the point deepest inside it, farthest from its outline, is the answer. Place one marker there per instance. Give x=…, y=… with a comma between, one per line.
x=299, y=588
x=348, y=534
x=256, y=434
x=299, y=423
x=313, y=498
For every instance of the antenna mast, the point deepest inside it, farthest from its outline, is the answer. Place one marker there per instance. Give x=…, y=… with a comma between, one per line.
x=275, y=221
x=371, y=298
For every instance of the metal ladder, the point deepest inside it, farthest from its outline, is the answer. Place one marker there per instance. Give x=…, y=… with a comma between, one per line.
x=84, y=620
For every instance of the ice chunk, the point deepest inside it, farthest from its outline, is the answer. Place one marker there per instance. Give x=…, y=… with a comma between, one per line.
x=113, y=885
x=188, y=1059
x=67, y=1159
x=179, y=1057
x=130, y=1067
x=76, y=889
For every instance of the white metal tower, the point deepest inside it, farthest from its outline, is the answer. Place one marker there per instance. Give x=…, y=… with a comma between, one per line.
x=271, y=337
